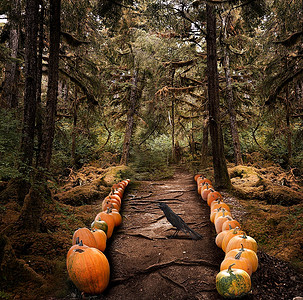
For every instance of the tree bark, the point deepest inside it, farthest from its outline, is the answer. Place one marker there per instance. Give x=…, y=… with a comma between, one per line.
x=288, y=127
x=52, y=90
x=29, y=218
x=29, y=113
x=230, y=100
x=222, y=179
x=204, y=149
x=74, y=132
x=39, y=122
x=130, y=118
x=173, y=116
x=10, y=86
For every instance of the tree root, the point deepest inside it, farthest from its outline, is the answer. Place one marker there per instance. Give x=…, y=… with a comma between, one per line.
x=159, y=266
x=173, y=281
x=140, y=235
x=13, y=268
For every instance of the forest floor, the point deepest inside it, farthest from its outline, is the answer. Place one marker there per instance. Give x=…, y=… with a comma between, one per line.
x=145, y=262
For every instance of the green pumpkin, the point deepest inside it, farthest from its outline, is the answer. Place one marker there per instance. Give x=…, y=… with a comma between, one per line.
x=233, y=283
x=101, y=225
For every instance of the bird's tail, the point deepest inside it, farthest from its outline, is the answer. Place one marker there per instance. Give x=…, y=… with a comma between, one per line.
x=194, y=235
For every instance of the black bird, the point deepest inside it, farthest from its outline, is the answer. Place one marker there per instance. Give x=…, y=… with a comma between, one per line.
x=178, y=222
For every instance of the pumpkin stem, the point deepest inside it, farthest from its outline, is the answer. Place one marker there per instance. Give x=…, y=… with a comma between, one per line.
x=242, y=248
x=236, y=230
x=81, y=243
x=244, y=236
x=230, y=227
x=229, y=268
x=77, y=240
x=238, y=255
x=223, y=209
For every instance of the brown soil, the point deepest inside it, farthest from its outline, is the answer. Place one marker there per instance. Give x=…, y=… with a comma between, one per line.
x=145, y=262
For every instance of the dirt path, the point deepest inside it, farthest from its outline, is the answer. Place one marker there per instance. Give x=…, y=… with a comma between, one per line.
x=145, y=263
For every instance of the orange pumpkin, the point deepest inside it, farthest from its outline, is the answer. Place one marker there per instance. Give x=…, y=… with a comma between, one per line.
x=213, y=214
x=122, y=184
x=101, y=238
x=247, y=241
x=230, y=234
x=219, y=238
x=246, y=253
x=230, y=223
x=213, y=196
x=110, y=204
x=218, y=204
x=239, y=263
x=78, y=245
x=86, y=236
x=223, y=212
x=197, y=176
x=115, y=197
x=118, y=191
x=109, y=219
x=204, y=180
x=117, y=217
x=205, y=192
x=220, y=218
x=89, y=270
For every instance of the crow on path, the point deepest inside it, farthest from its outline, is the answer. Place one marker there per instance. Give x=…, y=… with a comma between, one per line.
x=178, y=222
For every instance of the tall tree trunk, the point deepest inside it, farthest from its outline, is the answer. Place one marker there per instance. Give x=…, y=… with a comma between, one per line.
x=204, y=149
x=10, y=85
x=39, y=122
x=288, y=129
x=222, y=179
x=130, y=118
x=74, y=132
x=173, y=116
x=192, y=143
x=230, y=99
x=28, y=130
x=52, y=90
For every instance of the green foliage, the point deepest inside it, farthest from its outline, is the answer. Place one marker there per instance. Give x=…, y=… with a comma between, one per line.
x=9, y=145
x=4, y=295
x=151, y=161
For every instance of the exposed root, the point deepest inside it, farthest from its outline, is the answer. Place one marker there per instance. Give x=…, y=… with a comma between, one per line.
x=163, y=265
x=173, y=281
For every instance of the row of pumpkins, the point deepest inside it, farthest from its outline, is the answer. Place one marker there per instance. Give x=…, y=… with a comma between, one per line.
x=87, y=266
x=234, y=278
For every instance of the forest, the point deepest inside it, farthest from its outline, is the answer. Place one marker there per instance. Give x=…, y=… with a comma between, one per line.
x=100, y=98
